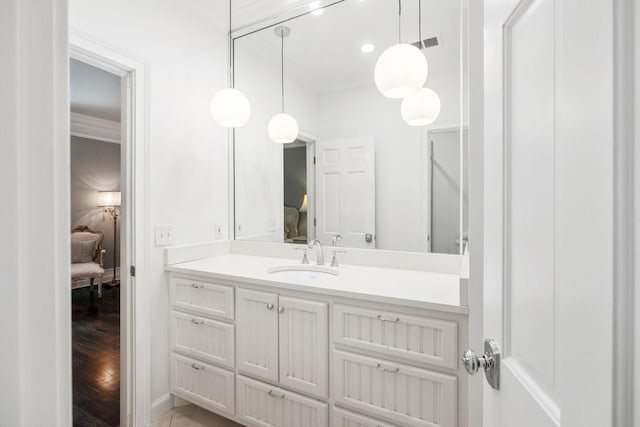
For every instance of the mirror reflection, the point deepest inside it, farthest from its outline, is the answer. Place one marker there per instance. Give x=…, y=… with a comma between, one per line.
x=355, y=166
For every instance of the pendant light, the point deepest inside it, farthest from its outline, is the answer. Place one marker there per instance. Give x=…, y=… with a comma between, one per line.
x=401, y=69
x=230, y=107
x=282, y=127
x=423, y=107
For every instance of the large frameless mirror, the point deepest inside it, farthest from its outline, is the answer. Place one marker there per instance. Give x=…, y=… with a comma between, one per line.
x=355, y=167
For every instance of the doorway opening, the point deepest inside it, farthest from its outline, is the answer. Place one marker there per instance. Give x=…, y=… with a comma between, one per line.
x=97, y=173
x=299, y=191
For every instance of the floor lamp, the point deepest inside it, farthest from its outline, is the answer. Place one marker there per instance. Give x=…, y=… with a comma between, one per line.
x=111, y=201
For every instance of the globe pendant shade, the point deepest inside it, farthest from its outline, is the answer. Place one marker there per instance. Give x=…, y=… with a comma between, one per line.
x=230, y=108
x=400, y=71
x=421, y=108
x=283, y=128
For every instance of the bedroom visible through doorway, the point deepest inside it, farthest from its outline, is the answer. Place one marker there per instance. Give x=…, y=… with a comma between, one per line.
x=96, y=161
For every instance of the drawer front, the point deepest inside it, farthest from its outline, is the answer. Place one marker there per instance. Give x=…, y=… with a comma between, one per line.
x=205, y=385
x=203, y=298
x=207, y=340
x=412, y=338
x=263, y=405
x=407, y=395
x=343, y=418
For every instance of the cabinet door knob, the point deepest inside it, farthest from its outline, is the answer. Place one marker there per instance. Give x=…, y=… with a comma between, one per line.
x=280, y=309
x=270, y=306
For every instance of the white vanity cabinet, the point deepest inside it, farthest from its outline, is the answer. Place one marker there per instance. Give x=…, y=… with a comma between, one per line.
x=282, y=356
x=283, y=339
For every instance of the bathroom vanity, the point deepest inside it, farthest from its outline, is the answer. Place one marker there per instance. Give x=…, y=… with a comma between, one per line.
x=264, y=340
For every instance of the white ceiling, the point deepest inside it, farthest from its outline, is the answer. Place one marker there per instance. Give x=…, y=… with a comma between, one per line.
x=323, y=52
x=94, y=92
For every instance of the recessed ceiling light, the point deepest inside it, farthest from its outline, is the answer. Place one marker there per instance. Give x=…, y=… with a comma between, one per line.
x=367, y=48
x=315, y=8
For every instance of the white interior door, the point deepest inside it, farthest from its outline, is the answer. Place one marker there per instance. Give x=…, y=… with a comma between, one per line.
x=548, y=186
x=345, y=191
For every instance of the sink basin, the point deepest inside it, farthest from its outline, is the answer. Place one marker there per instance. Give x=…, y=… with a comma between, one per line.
x=303, y=272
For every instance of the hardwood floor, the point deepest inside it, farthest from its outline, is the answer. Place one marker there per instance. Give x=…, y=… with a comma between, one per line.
x=96, y=360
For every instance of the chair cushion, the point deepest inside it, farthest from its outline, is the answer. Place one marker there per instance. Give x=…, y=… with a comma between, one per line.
x=82, y=251
x=83, y=270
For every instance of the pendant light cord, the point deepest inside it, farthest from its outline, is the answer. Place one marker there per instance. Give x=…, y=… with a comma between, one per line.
x=399, y=21
x=420, y=24
x=282, y=67
x=230, y=50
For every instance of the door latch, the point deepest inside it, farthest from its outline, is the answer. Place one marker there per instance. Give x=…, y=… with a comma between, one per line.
x=489, y=362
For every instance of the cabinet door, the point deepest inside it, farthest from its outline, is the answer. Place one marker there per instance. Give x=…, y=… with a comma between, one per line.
x=257, y=333
x=205, y=339
x=263, y=405
x=409, y=396
x=205, y=385
x=304, y=345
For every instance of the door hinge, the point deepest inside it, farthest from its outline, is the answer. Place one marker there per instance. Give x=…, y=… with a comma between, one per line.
x=314, y=160
x=132, y=271
x=314, y=222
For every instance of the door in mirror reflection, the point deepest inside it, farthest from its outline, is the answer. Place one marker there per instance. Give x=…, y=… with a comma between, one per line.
x=346, y=191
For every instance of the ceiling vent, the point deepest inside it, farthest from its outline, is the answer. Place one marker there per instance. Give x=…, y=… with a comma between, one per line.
x=426, y=43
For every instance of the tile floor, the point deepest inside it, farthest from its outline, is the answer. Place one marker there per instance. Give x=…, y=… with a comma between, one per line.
x=192, y=416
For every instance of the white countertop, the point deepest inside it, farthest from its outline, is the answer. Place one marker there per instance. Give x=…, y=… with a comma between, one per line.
x=434, y=291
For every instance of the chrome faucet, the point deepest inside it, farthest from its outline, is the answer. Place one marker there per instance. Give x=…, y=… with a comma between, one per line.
x=337, y=238
x=320, y=259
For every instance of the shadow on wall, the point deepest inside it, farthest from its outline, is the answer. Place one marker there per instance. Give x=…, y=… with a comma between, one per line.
x=95, y=166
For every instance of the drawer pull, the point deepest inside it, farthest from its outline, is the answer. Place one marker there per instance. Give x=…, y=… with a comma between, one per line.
x=197, y=286
x=276, y=395
x=197, y=322
x=270, y=306
x=197, y=367
x=383, y=369
x=384, y=319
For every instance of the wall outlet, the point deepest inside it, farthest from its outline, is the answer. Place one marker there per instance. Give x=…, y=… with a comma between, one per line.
x=164, y=234
x=219, y=231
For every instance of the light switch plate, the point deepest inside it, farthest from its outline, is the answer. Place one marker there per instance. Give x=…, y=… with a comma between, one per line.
x=164, y=234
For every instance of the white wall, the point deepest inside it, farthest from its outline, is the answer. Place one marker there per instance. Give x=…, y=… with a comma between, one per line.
x=401, y=154
x=185, y=52
x=259, y=161
x=35, y=320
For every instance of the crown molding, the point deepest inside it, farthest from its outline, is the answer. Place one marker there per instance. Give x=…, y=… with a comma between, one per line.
x=90, y=127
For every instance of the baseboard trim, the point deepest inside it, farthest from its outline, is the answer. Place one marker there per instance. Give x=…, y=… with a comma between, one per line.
x=161, y=405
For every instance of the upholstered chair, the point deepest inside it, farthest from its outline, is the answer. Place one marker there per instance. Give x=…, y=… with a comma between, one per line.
x=87, y=256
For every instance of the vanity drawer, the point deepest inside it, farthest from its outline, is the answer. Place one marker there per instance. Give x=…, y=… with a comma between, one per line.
x=412, y=338
x=343, y=418
x=204, y=298
x=404, y=394
x=264, y=405
x=205, y=385
x=207, y=340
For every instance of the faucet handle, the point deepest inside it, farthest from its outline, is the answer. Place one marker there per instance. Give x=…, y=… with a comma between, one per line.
x=334, y=260
x=305, y=259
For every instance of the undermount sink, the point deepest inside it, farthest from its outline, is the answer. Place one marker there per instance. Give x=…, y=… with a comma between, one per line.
x=303, y=272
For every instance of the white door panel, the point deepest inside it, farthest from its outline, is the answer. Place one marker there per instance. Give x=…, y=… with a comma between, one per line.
x=547, y=210
x=345, y=191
